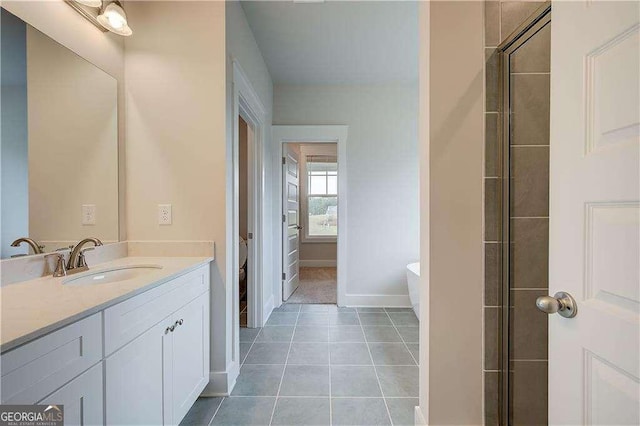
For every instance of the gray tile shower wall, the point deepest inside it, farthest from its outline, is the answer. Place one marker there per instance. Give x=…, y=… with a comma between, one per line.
x=529, y=205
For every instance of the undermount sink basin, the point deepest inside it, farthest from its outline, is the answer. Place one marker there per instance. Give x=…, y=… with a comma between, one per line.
x=111, y=275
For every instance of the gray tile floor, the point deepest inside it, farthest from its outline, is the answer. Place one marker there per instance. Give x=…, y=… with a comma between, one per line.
x=322, y=365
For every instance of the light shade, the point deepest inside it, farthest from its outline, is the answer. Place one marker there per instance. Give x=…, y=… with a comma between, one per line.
x=90, y=3
x=114, y=19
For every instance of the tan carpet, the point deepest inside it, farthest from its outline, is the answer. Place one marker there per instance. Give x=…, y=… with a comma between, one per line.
x=317, y=285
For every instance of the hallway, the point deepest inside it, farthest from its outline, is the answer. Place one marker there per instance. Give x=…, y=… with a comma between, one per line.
x=322, y=365
x=317, y=285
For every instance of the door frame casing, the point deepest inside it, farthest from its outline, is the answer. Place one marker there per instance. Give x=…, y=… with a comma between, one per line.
x=247, y=104
x=309, y=134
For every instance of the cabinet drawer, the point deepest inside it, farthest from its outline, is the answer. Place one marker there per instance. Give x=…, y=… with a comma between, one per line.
x=129, y=319
x=34, y=370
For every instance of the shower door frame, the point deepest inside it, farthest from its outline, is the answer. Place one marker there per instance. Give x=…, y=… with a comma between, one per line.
x=539, y=19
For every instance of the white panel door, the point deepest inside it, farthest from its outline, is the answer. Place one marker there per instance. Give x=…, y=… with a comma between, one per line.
x=594, y=361
x=291, y=222
x=190, y=355
x=81, y=398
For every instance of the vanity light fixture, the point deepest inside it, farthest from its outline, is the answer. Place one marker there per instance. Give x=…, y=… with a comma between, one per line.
x=107, y=15
x=113, y=18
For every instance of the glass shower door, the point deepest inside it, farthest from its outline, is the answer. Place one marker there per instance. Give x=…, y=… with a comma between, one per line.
x=525, y=69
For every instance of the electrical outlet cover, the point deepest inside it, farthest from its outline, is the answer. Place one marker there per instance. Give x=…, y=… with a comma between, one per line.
x=88, y=214
x=164, y=214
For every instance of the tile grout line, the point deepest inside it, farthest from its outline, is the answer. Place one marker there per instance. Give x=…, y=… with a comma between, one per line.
x=528, y=289
x=241, y=364
x=330, y=391
x=532, y=73
x=284, y=369
x=529, y=217
x=343, y=365
x=375, y=370
x=216, y=412
x=402, y=338
x=335, y=397
x=250, y=347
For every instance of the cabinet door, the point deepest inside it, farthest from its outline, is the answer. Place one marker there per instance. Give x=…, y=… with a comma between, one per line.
x=81, y=397
x=135, y=390
x=190, y=360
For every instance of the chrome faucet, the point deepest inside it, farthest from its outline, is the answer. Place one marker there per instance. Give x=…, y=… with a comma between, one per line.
x=77, y=262
x=37, y=248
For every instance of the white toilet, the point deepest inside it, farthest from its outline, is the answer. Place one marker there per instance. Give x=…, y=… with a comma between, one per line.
x=242, y=258
x=413, y=282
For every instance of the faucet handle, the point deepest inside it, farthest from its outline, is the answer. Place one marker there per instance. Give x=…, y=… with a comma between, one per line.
x=82, y=262
x=61, y=268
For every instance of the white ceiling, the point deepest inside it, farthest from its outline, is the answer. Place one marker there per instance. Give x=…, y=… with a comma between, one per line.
x=336, y=42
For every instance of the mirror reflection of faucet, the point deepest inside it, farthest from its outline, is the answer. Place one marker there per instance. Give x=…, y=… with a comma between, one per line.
x=37, y=248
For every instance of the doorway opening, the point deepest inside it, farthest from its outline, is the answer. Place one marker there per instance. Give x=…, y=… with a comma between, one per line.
x=310, y=223
x=309, y=161
x=246, y=236
x=245, y=262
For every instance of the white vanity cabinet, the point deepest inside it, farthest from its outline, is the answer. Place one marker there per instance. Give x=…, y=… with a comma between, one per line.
x=143, y=361
x=157, y=376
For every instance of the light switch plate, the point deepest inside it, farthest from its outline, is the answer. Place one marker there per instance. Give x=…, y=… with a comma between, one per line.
x=88, y=214
x=164, y=214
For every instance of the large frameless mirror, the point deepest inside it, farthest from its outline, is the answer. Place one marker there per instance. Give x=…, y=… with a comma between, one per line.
x=59, y=144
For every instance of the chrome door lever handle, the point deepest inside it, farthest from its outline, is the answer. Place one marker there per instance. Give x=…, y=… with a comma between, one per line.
x=561, y=303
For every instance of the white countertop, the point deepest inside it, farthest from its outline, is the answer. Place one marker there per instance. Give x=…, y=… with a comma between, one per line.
x=31, y=309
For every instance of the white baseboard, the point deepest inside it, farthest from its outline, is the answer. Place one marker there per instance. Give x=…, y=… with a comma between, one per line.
x=221, y=383
x=318, y=263
x=419, y=418
x=376, y=300
x=266, y=310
